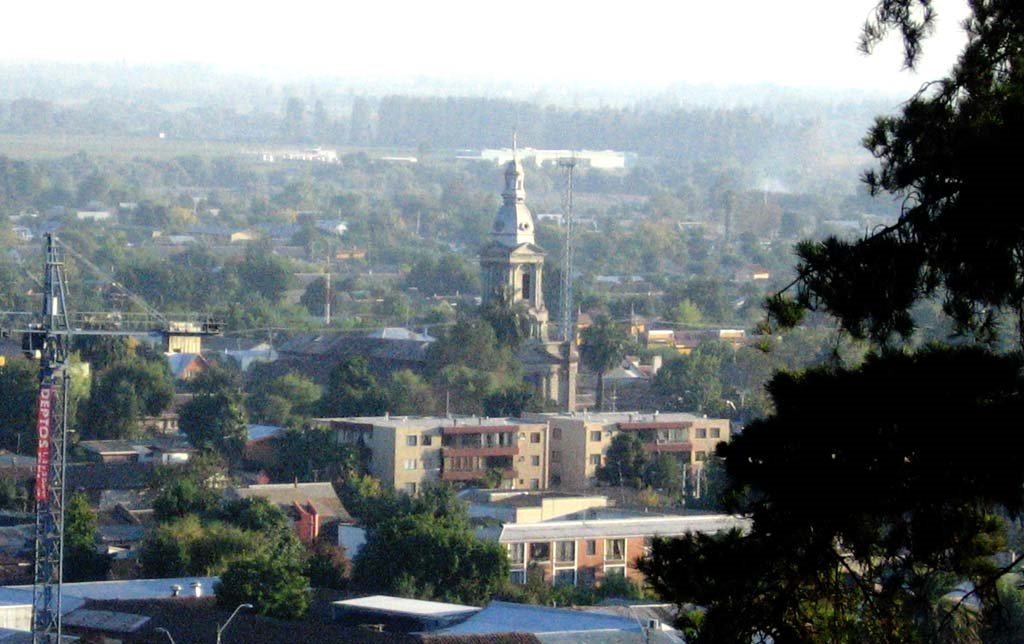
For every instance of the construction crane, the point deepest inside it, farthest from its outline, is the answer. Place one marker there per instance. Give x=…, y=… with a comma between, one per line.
x=47, y=337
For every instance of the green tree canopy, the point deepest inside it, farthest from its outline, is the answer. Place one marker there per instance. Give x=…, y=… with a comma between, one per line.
x=625, y=462
x=353, y=391
x=275, y=586
x=861, y=509
x=81, y=536
x=603, y=344
x=430, y=557
x=214, y=422
x=958, y=236
x=122, y=394
x=19, y=389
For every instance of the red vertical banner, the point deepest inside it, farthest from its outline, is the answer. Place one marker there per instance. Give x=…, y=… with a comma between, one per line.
x=44, y=427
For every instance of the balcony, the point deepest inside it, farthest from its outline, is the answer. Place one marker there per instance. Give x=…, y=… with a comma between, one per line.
x=454, y=452
x=475, y=475
x=658, y=447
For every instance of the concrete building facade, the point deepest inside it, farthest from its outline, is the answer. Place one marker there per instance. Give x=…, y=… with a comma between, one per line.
x=408, y=452
x=580, y=441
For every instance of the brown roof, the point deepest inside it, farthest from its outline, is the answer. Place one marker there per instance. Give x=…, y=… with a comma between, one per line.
x=321, y=495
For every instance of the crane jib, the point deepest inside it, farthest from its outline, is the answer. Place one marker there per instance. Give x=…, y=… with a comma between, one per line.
x=44, y=424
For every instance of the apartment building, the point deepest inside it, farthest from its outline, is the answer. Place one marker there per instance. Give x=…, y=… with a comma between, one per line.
x=580, y=441
x=408, y=452
x=579, y=540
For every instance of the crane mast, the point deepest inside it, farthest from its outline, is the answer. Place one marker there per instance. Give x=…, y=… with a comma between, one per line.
x=47, y=338
x=51, y=344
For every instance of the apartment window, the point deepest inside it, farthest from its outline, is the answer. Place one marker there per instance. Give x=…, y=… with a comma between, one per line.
x=516, y=552
x=540, y=552
x=556, y=456
x=410, y=488
x=716, y=432
x=595, y=459
x=565, y=552
x=701, y=432
x=614, y=571
x=518, y=577
x=410, y=441
x=701, y=456
x=614, y=549
x=565, y=577
x=535, y=461
x=425, y=441
x=534, y=484
x=680, y=435
x=556, y=433
x=410, y=463
x=535, y=437
x=591, y=547
x=587, y=576
x=595, y=437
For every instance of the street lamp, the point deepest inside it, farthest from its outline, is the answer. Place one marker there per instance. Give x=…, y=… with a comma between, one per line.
x=220, y=629
x=160, y=629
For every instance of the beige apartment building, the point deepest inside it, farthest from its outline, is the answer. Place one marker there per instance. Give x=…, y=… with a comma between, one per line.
x=580, y=441
x=580, y=540
x=408, y=452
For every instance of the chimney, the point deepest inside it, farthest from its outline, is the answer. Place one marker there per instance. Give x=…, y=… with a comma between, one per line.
x=176, y=590
x=197, y=589
x=387, y=415
x=655, y=364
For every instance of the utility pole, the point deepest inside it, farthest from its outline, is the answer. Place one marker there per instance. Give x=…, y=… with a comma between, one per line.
x=568, y=164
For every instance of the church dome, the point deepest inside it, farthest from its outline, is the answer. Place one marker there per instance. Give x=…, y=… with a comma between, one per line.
x=514, y=224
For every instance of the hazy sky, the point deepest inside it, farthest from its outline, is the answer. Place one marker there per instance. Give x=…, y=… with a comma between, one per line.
x=809, y=43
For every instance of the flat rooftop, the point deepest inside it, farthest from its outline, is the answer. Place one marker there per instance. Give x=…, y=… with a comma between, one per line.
x=622, y=417
x=430, y=422
x=650, y=526
x=402, y=606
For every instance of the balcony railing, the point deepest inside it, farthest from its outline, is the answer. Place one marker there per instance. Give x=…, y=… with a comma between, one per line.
x=454, y=452
x=475, y=475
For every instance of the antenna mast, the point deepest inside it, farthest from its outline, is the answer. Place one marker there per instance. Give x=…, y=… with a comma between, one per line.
x=568, y=164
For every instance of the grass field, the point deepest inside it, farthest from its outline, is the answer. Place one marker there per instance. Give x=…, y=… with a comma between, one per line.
x=34, y=146
x=51, y=146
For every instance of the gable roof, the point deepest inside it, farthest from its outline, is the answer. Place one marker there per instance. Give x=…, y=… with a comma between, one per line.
x=321, y=495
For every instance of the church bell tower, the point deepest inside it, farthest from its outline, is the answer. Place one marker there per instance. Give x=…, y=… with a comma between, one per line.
x=513, y=271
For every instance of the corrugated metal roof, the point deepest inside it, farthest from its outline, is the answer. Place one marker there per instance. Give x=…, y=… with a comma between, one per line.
x=506, y=617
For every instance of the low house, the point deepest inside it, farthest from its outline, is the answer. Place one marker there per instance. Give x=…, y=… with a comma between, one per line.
x=185, y=366
x=385, y=350
x=108, y=484
x=162, y=450
x=314, y=508
x=262, y=444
